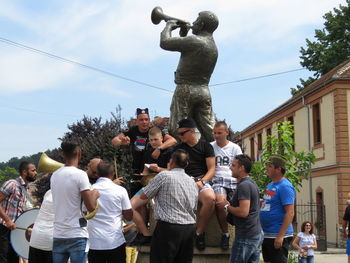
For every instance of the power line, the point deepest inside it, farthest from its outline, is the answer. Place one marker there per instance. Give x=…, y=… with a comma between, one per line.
x=257, y=77
x=36, y=111
x=50, y=55
x=35, y=50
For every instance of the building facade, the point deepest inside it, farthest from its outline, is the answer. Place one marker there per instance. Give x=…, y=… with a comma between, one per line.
x=320, y=114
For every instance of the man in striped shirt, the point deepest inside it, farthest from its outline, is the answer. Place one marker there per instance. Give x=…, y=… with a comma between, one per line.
x=13, y=202
x=176, y=197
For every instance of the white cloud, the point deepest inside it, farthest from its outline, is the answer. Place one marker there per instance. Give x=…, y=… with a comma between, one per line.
x=22, y=71
x=121, y=33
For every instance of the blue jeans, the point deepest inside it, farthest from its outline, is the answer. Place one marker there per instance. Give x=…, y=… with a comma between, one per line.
x=246, y=250
x=73, y=248
x=308, y=259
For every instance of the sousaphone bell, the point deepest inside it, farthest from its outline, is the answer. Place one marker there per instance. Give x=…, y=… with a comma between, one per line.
x=48, y=165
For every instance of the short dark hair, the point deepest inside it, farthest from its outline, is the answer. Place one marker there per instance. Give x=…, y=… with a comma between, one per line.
x=278, y=161
x=221, y=123
x=104, y=169
x=23, y=166
x=69, y=148
x=180, y=158
x=245, y=161
x=303, y=225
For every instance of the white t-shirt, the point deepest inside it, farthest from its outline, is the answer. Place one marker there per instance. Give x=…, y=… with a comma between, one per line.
x=224, y=157
x=307, y=240
x=105, y=228
x=66, y=184
x=42, y=233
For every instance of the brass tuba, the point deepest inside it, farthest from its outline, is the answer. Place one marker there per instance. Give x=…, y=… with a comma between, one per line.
x=157, y=16
x=48, y=165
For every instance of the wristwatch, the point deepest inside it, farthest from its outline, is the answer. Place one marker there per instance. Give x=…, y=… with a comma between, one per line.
x=203, y=182
x=226, y=206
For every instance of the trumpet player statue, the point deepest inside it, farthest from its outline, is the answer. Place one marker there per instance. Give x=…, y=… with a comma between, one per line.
x=199, y=54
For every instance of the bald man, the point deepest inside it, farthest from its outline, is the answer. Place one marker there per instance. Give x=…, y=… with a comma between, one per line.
x=92, y=172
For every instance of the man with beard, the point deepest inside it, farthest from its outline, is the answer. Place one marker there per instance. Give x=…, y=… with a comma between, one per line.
x=13, y=201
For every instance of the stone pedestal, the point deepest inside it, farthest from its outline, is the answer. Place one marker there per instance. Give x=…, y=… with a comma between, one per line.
x=209, y=255
x=212, y=253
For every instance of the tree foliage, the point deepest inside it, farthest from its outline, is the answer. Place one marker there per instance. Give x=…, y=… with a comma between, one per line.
x=331, y=45
x=95, y=137
x=298, y=165
x=7, y=173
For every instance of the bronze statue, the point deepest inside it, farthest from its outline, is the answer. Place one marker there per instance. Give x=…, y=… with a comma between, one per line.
x=199, y=54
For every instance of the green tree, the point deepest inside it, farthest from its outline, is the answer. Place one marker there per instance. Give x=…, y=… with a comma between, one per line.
x=7, y=174
x=298, y=164
x=95, y=137
x=330, y=47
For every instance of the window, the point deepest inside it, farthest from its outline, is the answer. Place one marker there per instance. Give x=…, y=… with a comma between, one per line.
x=268, y=133
x=260, y=146
x=291, y=120
x=252, y=149
x=316, y=122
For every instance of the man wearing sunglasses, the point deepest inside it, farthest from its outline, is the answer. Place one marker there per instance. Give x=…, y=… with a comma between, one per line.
x=202, y=168
x=13, y=202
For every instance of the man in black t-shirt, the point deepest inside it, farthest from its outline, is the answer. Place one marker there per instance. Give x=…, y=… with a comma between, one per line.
x=245, y=208
x=137, y=138
x=202, y=168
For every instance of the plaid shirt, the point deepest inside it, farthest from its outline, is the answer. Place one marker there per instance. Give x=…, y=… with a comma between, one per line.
x=176, y=197
x=15, y=202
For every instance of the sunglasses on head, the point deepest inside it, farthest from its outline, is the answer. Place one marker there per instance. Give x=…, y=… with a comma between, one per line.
x=182, y=133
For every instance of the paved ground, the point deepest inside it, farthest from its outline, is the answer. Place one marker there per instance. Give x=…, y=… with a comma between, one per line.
x=332, y=255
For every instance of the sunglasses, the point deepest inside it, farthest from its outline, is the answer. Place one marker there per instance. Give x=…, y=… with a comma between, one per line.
x=182, y=133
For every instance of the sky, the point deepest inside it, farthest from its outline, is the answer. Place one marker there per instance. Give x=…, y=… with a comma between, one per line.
x=40, y=95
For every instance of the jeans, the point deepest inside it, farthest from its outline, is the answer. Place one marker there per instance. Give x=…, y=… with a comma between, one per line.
x=246, y=250
x=308, y=259
x=73, y=248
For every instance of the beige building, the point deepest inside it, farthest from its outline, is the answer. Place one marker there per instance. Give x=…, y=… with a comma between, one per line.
x=320, y=114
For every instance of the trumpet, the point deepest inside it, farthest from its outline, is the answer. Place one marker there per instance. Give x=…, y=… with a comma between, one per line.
x=157, y=16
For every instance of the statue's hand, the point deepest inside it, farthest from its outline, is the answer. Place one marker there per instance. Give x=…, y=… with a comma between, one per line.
x=172, y=24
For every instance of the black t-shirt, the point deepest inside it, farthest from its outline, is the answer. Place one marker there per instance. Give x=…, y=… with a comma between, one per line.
x=249, y=226
x=138, y=143
x=197, y=157
x=346, y=217
x=163, y=158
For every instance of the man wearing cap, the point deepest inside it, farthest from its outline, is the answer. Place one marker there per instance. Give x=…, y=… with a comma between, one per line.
x=277, y=212
x=202, y=168
x=137, y=136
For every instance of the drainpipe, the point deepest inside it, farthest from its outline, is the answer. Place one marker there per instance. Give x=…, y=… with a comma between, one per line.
x=309, y=146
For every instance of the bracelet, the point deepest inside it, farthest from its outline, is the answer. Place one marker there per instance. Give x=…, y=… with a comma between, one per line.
x=203, y=182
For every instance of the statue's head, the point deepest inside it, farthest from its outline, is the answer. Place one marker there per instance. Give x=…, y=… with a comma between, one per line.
x=206, y=21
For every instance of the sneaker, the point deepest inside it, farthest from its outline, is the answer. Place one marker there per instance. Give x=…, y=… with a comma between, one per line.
x=200, y=241
x=141, y=240
x=224, y=244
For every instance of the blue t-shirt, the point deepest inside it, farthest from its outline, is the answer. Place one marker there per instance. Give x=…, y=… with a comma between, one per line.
x=272, y=211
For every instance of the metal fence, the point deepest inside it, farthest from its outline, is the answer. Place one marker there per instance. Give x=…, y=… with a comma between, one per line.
x=315, y=213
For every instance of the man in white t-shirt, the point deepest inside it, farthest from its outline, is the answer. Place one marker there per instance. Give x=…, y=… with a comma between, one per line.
x=107, y=242
x=69, y=186
x=223, y=183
